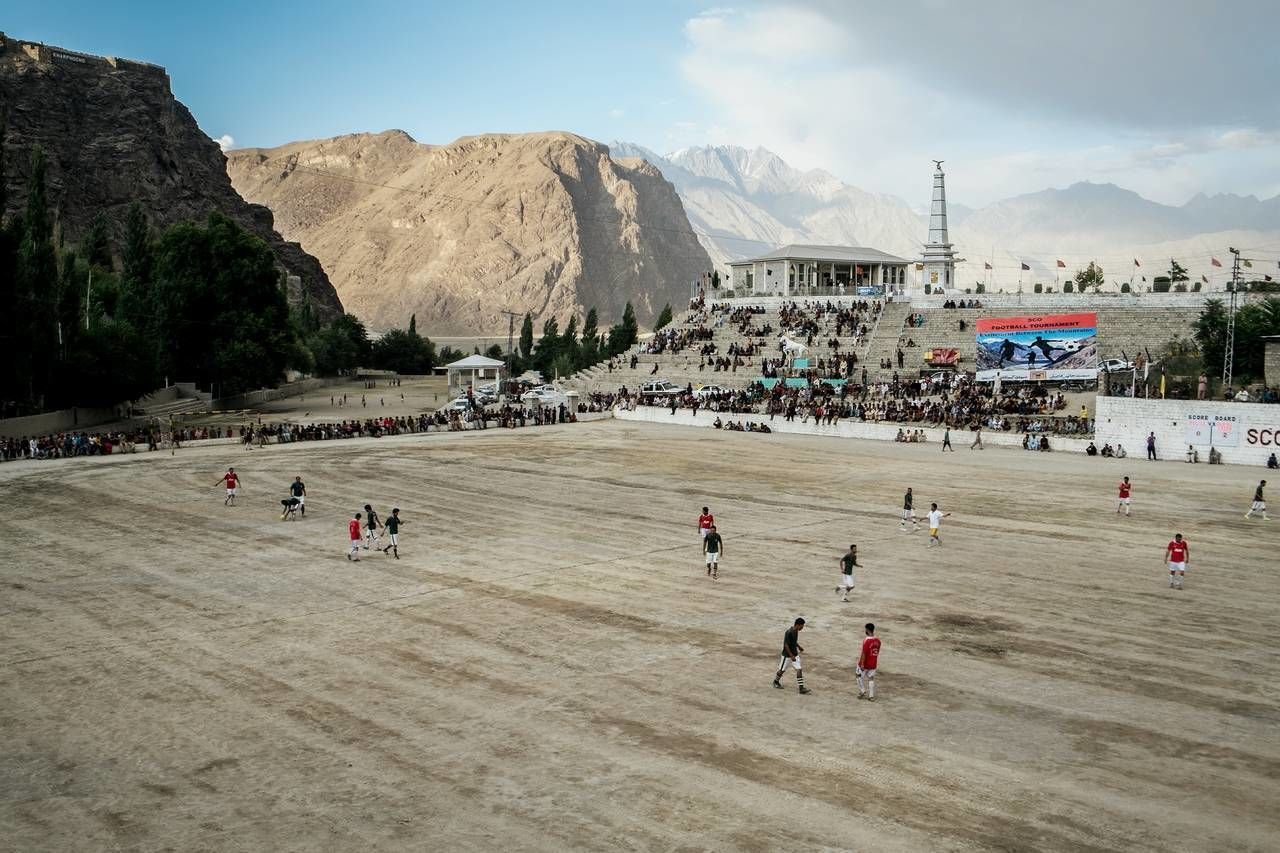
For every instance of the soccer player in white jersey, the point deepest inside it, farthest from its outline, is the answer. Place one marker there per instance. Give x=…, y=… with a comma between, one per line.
x=935, y=521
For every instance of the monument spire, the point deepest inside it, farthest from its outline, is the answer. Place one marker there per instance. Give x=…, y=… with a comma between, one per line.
x=939, y=256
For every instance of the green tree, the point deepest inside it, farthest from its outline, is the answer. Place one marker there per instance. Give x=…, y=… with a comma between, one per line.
x=1160, y=284
x=624, y=334
x=715, y=279
x=96, y=245
x=37, y=287
x=1089, y=278
x=1177, y=273
x=1038, y=288
x=548, y=346
x=589, y=353
x=404, y=352
x=413, y=324
x=664, y=317
x=979, y=288
x=340, y=346
x=526, y=337
x=1125, y=288
x=1067, y=286
x=569, y=345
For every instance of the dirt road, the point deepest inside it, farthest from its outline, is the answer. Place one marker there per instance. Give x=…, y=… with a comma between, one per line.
x=547, y=667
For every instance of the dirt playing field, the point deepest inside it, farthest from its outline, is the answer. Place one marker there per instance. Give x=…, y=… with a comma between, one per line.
x=547, y=667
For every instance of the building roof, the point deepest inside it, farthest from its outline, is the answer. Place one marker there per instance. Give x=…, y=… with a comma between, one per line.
x=838, y=254
x=474, y=362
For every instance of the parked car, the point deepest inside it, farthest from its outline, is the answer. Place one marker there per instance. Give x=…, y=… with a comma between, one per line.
x=546, y=395
x=660, y=388
x=710, y=391
x=1111, y=365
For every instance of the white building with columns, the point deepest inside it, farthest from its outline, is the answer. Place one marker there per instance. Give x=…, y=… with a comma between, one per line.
x=801, y=269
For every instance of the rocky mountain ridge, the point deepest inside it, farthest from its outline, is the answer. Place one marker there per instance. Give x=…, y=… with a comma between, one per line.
x=458, y=234
x=113, y=133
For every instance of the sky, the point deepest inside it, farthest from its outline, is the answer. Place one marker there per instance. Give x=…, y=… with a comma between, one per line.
x=1168, y=98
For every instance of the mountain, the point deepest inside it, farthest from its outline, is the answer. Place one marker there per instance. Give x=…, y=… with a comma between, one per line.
x=545, y=223
x=746, y=201
x=113, y=134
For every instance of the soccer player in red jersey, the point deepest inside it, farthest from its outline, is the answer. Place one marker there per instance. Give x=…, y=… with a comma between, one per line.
x=232, y=479
x=1124, y=500
x=1176, y=553
x=867, y=661
x=353, y=531
x=706, y=521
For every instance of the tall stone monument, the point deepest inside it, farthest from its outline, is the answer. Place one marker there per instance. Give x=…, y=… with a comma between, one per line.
x=939, y=256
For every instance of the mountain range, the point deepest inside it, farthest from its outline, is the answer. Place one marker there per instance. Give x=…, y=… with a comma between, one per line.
x=743, y=202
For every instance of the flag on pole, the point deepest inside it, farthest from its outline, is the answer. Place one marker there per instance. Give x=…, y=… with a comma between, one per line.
x=1247, y=263
x=1215, y=262
x=1204, y=278
x=1144, y=278
x=1135, y=263
x=986, y=265
x=1061, y=265
x=1025, y=267
x=1266, y=278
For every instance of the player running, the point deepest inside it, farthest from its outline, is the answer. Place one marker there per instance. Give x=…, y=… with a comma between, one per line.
x=1259, y=502
x=299, y=491
x=393, y=531
x=868, y=658
x=791, y=650
x=353, y=530
x=706, y=521
x=371, y=535
x=713, y=547
x=1124, y=499
x=847, y=562
x=909, y=512
x=1176, y=554
x=232, y=479
x=935, y=521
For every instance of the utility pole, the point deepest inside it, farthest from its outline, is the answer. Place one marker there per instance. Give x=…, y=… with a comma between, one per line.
x=1229, y=357
x=511, y=338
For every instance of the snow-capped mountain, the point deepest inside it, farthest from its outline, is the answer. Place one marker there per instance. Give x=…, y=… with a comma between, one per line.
x=747, y=201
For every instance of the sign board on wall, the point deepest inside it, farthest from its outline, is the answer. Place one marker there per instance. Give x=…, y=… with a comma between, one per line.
x=1213, y=429
x=1051, y=346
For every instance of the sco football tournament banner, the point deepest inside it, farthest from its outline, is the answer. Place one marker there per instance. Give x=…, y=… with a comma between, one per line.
x=1048, y=347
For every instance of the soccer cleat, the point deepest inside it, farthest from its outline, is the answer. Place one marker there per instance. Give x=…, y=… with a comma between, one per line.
x=862, y=696
x=777, y=684
x=804, y=691
x=871, y=698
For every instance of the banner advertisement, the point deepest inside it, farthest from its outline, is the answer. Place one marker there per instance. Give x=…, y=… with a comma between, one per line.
x=1050, y=347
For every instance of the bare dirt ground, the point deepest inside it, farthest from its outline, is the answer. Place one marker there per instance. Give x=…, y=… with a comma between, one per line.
x=548, y=668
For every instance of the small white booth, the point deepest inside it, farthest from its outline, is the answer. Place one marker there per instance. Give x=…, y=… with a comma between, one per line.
x=472, y=371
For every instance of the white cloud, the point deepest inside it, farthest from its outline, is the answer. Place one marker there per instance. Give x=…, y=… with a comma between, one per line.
x=226, y=142
x=617, y=112
x=826, y=88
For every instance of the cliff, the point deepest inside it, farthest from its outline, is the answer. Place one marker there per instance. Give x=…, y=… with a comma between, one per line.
x=547, y=223
x=113, y=133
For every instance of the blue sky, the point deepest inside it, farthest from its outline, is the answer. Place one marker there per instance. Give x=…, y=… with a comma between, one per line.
x=1016, y=96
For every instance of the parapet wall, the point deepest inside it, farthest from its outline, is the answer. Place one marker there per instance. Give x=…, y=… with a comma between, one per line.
x=1244, y=433
x=45, y=54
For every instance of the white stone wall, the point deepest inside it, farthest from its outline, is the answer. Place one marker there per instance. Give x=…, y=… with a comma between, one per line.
x=960, y=438
x=1128, y=421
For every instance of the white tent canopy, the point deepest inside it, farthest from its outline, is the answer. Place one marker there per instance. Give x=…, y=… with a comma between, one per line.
x=471, y=371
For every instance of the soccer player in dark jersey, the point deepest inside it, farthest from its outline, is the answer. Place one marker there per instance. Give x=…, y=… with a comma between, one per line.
x=908, y=511
x=371, y=527
x=299, y=491
x=847, y=562
x=791, y=650
x=1259, y=502
x=393, y=531
x=713, y=547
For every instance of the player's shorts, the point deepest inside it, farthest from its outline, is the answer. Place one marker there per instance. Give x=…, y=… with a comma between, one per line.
x=355, y=544
x=933, y=531
x=231, y=490
x=864, y=673
x=786, y=661
x=1177, y=567
x=846, y=580
x=702, y=531
x=1259, y=506
x=394, y=537
x=908, y=513
x=302, y=500
x=1126, y=501
x=713, y=558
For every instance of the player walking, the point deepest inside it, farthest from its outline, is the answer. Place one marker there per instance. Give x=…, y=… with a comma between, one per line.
x=847, y=562
x=371, y=534
x=868, y=658
x=946, y=440
x=232, y=479
x=393, y=531
x=909, y=512
x=1124, y=499
x=353, y=530
x=706, y=521
x=1176, y=554
x=791, y=650
x=935, y=521
x=299, y=491
x=712, y=547
x=1259, y=503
